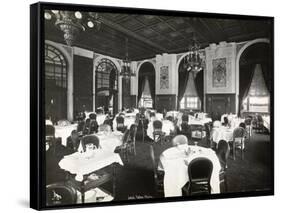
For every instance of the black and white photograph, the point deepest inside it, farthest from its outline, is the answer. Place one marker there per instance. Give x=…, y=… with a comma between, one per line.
x=142, y=105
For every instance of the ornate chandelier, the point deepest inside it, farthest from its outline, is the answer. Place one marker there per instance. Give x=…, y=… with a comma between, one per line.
x=192, y=61
x=126, y=66
x=70, y=23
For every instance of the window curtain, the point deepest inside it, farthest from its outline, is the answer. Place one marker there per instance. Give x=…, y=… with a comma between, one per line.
x=141, y=86
x=151, y=82
x=267, y=72
x=183, y=79
x=112, y=79
x=199, y=85
x=245, y=79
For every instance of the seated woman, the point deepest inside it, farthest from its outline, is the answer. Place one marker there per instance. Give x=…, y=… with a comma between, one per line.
x=72, y=142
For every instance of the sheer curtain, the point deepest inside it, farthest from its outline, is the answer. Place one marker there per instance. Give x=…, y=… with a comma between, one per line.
x=245, y=79
x=183, y=79
x=141, y=86
x=151, y=81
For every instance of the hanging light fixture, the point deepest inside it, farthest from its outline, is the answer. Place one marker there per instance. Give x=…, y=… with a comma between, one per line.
x=70, y=23
x=126, y=67
x=192, y=61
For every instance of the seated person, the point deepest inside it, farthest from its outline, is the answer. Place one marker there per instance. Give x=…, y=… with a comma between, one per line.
x=86, y=129
x=54, y=153
x=104, y=129
x=72, y=142
x=225, y=122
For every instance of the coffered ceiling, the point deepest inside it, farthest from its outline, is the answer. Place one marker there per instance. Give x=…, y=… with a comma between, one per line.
x=149, y=35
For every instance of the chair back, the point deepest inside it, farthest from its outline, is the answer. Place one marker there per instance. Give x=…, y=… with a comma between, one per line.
x=120, y=121
x=179, y=140
x=222, y=152
x=93, y=116
x=133, y=132
x=157, y=125
x=200, y=169
x=243, y=125
x=185, y=117
x=94, y=126
x=60, y=194
x=238, y=132
x=248, y=121
x=87, y=125
x=80, y=126
x=126, y=136
x=170, y=118
x=90, y=139
x=185, y=127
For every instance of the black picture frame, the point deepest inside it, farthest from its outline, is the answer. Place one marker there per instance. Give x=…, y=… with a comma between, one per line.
x=37, y=108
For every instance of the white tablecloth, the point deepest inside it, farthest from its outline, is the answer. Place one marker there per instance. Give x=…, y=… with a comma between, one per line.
x=266, y=122
x=100, y=119
x=108, y=141
x=174, y=114
x=174, y=161
x=222, y=133
x=199, y=121
x=167, y=127
x=64, y=131
x=79, y=164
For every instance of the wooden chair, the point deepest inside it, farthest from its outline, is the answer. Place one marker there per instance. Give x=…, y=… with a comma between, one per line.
x=185, y=129
x=86, y=129
x=199, y=173
x=90, y=139
x=158, y=175
x=123, y=149
x=197, y=133
x=222, y=152
x=248, y=123
x=60, y=194
x=158, y=134
x=238, y=141
x=120, y=124
x=132, y=140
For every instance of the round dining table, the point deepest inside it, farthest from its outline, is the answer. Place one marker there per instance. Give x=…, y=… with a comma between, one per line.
x=174, y=161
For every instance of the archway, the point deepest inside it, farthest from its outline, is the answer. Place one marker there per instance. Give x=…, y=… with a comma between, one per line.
x=146, y=79
x=106, y=81
x=256, y=54
x=55, y=84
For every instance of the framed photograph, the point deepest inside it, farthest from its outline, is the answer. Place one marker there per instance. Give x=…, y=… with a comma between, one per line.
x=132, y=106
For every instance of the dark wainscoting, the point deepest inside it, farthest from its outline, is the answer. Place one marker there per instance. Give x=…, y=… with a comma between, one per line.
x=219, y=104
x=83, y=83
x=133, y=101
x=167, y=102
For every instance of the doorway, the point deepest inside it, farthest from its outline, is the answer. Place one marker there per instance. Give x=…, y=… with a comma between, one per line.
x=107, y=86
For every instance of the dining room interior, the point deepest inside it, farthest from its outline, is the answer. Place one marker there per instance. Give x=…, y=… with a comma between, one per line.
x=143, y=106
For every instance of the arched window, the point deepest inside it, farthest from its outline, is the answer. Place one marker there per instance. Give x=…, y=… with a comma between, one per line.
x=55, y=84
x=106, y=75
x=55, y=66
x=190, y=99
